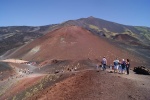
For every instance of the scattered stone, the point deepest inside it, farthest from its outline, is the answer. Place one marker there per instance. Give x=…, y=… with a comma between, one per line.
x=75, y=68
x=110, y=71
x=97, y=70
x=118, y=76
x=54, y=61
x=57, y=71
x=131, y=97
x=141, y=70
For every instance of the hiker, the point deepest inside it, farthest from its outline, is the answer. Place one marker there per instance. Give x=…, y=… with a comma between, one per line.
x=119, y=68
x=127, y=66
x=116, y=65
x=104, y=63
x=123, y=64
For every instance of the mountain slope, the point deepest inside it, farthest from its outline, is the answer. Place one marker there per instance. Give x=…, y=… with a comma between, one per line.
x=110, y=29
x=71, y=43
x=15, y=36
x=131, y=38
x=67, y=55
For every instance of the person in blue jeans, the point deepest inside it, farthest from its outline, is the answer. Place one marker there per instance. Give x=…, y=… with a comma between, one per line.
x=123, y=64
x=116, y=65
x=104, y=63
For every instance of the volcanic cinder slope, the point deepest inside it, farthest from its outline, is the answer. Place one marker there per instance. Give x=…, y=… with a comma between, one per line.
x=93, y=85
x=71, y=46
x=72, y=43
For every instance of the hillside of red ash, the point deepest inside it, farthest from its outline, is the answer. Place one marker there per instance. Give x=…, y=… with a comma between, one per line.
x=65, y=69
x=73, y=43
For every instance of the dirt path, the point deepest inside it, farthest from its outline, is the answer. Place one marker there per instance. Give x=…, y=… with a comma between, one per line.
x=93, y=85
x=142, y=81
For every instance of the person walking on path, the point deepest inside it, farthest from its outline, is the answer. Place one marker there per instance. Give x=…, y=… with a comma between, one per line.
x=127, y=66
x=104, y=63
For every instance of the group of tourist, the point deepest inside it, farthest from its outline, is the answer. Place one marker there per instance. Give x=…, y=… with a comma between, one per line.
x=118, y=66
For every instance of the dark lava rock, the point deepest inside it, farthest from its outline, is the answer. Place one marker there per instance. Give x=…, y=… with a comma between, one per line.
x=141, y=70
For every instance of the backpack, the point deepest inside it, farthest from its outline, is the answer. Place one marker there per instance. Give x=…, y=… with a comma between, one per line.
x=115, y=63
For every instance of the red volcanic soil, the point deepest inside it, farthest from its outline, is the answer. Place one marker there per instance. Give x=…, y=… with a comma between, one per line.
x=93, y=85
x=67, y=47
x=21, y=85
x=75, y=43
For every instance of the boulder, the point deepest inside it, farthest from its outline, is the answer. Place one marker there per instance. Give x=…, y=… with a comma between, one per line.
x=141, y=70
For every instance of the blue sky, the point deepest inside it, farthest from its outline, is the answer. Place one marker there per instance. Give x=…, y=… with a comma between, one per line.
x=44, y=12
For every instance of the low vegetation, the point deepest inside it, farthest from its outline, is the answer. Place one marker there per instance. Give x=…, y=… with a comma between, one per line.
x=37, y=87
x=145, y=31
